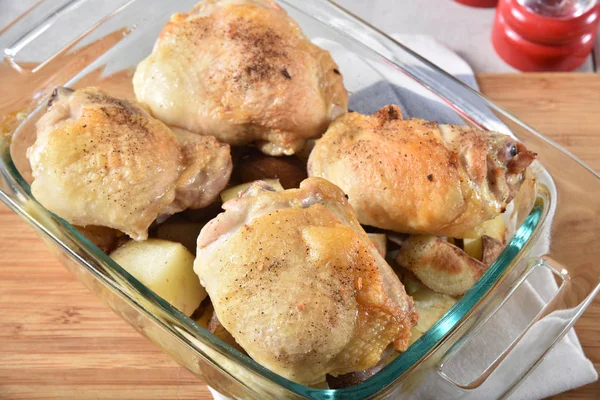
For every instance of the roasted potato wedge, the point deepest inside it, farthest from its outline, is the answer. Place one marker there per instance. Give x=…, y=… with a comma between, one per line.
x=491, y=249
x=431, y=306
x=439, y=265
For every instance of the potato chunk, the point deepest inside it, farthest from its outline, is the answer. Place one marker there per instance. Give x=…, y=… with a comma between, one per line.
x=494, y=228
x=167, y=268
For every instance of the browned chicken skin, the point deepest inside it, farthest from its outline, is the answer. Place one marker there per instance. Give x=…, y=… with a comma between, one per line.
x=297, y=282
x=417, y=176
x=100, y=160
x=244, y=72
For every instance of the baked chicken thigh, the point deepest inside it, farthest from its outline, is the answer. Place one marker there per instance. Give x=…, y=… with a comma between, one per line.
x=242, y=71
x=297, y=282
x=417, y=176
x=99, y=160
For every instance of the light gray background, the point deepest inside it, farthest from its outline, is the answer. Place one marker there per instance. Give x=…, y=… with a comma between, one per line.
x=465, y=30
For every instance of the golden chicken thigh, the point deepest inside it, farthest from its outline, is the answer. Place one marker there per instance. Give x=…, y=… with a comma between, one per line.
x=297, y=282
x=103, y=161
x=243, y=71
x=417, y=176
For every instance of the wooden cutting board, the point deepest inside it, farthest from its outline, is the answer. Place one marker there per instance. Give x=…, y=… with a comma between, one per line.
x=57, y=341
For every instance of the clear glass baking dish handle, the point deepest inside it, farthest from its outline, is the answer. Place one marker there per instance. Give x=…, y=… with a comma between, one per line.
x=527, y=349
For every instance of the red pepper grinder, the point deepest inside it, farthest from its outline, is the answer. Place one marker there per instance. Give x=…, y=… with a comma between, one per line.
x=545, y=35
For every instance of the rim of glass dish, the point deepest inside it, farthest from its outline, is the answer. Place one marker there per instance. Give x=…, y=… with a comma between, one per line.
x=369, y=387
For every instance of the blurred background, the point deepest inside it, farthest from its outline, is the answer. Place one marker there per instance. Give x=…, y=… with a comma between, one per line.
x=467, y=29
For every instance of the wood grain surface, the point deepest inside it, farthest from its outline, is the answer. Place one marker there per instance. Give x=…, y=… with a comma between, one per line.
x=566, y=108
x=57, y=341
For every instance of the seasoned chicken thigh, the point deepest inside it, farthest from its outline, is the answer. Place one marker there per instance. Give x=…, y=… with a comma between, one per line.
x=417, y=176
x=243, y=71
x=103, y=161
x=297, y=282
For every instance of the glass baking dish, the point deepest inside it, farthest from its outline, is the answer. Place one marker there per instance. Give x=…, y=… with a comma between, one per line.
x=107, y=39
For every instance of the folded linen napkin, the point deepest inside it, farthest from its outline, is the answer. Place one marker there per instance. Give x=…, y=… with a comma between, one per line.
x=565, y=367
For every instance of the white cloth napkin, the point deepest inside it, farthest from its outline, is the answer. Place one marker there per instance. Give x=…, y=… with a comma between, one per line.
x=565, y=367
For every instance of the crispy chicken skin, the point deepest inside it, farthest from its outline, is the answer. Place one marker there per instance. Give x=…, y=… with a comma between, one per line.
x=244, y=72
x=297, y=282
x=417, y=176
x=99, y=160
